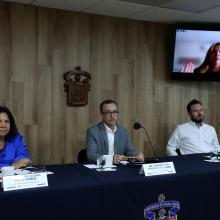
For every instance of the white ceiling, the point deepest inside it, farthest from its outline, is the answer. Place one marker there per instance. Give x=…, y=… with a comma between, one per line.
x=162, y=11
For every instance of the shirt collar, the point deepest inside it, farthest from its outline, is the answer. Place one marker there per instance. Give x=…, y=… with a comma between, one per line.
x=109, y=129
x=194, y=124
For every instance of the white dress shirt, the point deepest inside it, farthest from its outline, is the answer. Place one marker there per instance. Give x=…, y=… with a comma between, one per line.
x=190, y=139
x=111, y=138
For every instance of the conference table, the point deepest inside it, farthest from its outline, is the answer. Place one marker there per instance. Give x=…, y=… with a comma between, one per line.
x=76, y=192
x=71, y=194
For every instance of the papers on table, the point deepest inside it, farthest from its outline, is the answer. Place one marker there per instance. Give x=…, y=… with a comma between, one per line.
x=91, y=166
x=24, y=171
x=213, y=161
x=124, y=162
x=94, y=166
x=107, y=169
x=21, y=171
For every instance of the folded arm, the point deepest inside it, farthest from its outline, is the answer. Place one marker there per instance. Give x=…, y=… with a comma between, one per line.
x=22, y=157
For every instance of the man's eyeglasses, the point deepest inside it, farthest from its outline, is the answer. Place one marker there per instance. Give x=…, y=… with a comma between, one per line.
x=115, y=112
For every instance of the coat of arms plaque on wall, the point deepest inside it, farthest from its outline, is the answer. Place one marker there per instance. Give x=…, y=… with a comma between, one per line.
x=77, y=86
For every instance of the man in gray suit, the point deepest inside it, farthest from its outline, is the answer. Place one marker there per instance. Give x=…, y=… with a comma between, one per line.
x=108, y=137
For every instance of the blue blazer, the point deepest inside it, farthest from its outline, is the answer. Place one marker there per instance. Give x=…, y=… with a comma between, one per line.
x=14, y=150
x=97, y=142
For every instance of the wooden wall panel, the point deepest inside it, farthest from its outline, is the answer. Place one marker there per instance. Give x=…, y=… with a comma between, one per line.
x=129, y=62
x=57, y=112
x=4, y=60
x=45, y=114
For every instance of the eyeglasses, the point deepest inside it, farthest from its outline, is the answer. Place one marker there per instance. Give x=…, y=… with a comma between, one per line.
x=115, y=112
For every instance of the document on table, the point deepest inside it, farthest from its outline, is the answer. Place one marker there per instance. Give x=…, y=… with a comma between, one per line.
x=94, y=166
x=212, y=161
x=91, y=166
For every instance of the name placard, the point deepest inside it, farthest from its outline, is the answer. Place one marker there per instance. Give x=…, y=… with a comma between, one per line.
x=153, y=169
x=26, y=181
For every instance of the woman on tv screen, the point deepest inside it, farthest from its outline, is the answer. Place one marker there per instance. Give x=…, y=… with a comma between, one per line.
x=211, y=62
x=196, y=54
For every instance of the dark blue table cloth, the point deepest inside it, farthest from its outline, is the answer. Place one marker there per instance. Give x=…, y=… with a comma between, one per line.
x=195, y=186
x=71, y=194
x=76, y=192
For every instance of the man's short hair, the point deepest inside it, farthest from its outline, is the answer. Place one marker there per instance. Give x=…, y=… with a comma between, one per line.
x=193, y=102
x=107, y=101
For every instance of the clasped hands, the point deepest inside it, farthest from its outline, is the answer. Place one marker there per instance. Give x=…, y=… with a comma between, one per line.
x=118, y=158
x=21, y=163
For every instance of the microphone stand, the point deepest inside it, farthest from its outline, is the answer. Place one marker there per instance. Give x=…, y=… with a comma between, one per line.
x=152, y=148
x=147, y=160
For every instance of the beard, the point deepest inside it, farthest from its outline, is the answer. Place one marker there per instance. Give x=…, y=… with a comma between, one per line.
x=198, y=120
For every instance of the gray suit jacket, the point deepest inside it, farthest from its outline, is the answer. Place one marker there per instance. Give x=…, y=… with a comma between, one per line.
x=97, y=142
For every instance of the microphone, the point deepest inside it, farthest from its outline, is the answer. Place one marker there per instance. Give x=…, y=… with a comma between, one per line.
x=178, y=152
x=137, y=126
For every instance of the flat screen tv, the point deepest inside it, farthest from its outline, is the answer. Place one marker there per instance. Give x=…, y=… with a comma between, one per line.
x=196, y=52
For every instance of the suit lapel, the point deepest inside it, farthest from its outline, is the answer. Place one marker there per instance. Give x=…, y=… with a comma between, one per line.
x=116, y=140
x=104, y=135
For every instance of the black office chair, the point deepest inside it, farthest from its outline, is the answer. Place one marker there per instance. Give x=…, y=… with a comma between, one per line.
x=82, y=156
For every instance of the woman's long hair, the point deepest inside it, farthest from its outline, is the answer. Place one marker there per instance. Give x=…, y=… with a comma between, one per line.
x=13, y=128
x=205, y=66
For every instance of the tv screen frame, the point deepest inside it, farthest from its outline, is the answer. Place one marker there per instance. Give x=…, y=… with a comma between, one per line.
x=191, y=43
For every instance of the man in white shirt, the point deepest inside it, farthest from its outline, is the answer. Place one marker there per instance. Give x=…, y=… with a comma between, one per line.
x=108, y=137
x=194, y=136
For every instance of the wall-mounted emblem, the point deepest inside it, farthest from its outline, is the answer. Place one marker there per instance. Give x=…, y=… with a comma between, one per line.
x=166, y=210
x=77, y=86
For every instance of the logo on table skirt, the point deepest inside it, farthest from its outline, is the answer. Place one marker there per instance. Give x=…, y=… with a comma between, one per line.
x=163, y=209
